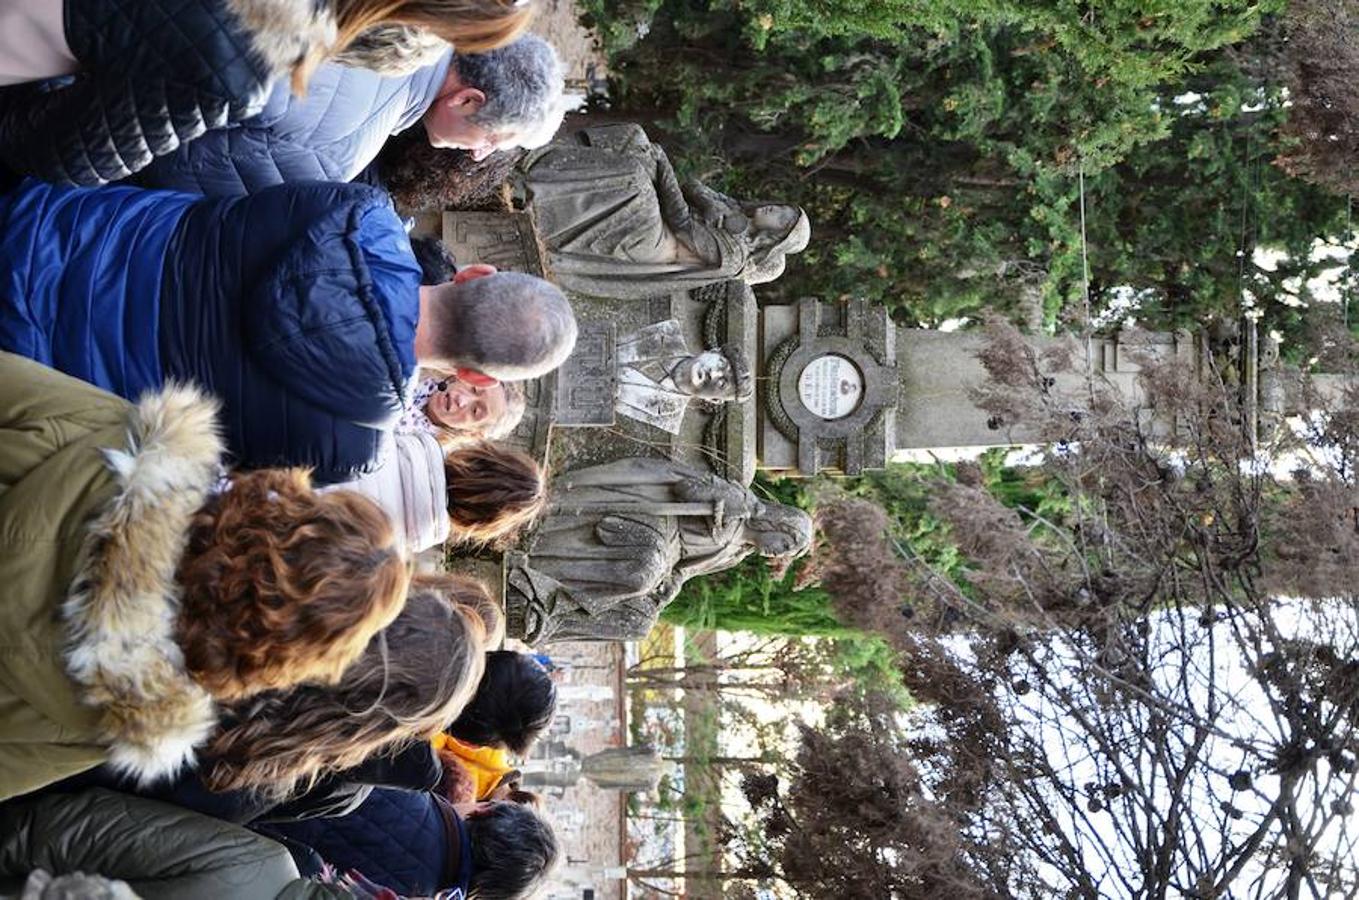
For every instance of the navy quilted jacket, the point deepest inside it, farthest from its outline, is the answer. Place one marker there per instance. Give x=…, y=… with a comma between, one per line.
x=398, y=839
x=152, y=74
x=295, y=306
x=330, y=134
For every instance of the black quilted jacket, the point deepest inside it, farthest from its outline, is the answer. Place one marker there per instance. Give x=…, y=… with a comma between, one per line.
x=399, y=839
x=153, y=74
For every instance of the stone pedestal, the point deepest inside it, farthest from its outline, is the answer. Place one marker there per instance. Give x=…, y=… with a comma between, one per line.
x=506, y=240
x=843, y=389
x=938, y=372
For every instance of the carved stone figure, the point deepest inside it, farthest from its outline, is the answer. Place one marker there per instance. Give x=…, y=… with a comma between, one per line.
x=658, y=375
x=617, y=223
x=622, y=539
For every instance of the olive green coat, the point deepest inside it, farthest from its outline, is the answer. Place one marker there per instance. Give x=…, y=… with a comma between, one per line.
x=95, y=498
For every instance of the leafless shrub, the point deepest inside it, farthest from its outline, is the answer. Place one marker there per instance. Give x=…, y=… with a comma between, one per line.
x=1323, y=58
x=1153, y=692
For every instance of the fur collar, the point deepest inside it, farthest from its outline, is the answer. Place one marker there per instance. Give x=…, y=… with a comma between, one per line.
x=120, y=612
x=393, y=50
x=283, y=32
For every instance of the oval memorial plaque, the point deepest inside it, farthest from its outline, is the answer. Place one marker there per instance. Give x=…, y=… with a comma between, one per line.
x=831, y=386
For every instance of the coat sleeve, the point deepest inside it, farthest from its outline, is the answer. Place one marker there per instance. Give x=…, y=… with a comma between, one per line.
x=100, y=129
x=160, y=850
x=240, y=160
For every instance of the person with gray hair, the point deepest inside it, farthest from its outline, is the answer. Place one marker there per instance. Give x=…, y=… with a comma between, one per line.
x=479, y=103
x=486, y=326
x=511, y=97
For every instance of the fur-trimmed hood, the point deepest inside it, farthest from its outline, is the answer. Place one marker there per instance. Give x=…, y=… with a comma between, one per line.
x=284, y=32
x=121, y=610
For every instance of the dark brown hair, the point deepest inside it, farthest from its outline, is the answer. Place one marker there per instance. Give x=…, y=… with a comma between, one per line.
x=493, y=492
x=282, y=585
x=421, y=177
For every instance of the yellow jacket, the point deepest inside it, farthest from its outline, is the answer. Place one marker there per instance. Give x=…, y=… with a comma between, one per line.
x=487, y=765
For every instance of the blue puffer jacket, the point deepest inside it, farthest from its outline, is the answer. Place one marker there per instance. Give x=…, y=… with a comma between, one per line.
x=331, y=134
x=398, y=839
x=152, y=74
x=295, y=306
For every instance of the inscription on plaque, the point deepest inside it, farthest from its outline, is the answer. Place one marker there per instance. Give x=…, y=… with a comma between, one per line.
x=502, y=239
x=588, y=381
x=831, y=387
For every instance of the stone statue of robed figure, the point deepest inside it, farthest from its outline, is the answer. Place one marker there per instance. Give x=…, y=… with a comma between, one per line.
x=622, y=539
x=616, y=222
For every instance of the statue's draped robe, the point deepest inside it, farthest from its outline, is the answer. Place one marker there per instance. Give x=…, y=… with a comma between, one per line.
x=620, y=542
x=609, y=210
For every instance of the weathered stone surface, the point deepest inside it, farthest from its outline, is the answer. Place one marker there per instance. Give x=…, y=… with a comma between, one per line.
x=506, y=240
x=616, y=221
x=830, y=387
x=621, y=539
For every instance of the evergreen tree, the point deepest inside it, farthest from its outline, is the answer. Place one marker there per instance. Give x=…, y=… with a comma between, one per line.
x=940, y=147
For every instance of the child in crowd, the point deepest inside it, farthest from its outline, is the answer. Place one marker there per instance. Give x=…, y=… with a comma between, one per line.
x=513, y=706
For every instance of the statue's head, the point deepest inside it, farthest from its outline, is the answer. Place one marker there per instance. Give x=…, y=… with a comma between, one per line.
x=778, y=530
x=718, y=375
x=776, y=231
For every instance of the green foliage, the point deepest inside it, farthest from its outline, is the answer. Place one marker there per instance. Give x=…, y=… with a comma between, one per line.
x=750, y=598
x=938, y=146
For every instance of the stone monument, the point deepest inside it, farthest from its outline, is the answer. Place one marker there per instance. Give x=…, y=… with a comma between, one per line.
x=621, y=539
x=616, y=222
x=658, y=376
x=682, y=384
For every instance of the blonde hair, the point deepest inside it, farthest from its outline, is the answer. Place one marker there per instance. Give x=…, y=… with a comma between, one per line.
x=515, y=404
x=280, y=584
x=472, y=26
x=461, y=590
x=414, y=677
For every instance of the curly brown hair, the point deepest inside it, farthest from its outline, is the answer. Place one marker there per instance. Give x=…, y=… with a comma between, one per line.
x=414, y=677
x=493, y=492
x=282, y=585
x=420, y=177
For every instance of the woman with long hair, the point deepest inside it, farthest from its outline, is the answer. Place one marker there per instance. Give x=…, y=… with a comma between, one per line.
x=478, y=493
x=96, y=89
x=414, y=677
x=494, y=493
x=141, y=593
